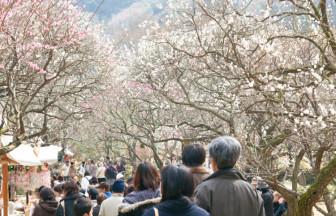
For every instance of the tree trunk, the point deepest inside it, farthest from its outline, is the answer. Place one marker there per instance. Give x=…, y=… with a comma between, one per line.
x=296, y=169
x=289, y=195
x=157, y=158
x=317, y=189
x=329, y=202
x=293, y=207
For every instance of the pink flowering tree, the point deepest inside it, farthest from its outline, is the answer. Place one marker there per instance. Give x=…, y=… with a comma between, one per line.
x=52, y=59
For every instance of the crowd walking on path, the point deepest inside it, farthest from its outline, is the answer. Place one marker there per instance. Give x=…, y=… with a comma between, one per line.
x=188, y=189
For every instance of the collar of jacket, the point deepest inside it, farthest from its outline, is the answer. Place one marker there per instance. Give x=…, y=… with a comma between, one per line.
x=198, y=170
x=226, y=172
x=49, y=206
x=176, y=205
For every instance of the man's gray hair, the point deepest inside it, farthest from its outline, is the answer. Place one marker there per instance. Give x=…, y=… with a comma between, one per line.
x=225, y=151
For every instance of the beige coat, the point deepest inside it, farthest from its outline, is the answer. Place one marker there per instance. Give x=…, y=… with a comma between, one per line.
x=110, y=206
x=226, y=193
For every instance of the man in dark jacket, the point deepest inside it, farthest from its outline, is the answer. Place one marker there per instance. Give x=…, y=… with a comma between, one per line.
x=226, y=192
x=110, y=174
x=267, y=196
x=66, y=207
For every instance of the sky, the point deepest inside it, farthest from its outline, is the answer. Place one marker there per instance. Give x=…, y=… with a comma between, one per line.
x=120, y=16
x=111, y=8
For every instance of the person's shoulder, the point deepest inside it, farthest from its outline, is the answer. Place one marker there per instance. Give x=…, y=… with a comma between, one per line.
x=204, y=185
x=196, y=210
x=243, y=184
x=149, y=212
x=132, y=194
x=112, y=199
x=38, y=208
x=129, y=198
x=267, y=195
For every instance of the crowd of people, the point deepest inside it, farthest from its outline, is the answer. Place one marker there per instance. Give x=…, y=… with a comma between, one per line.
x=188, y=189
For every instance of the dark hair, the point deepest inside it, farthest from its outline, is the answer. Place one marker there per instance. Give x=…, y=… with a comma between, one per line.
x=59, y=188
x=130, y=181
x=92, y=161
x=100, y=198
x=93, y=181
x=86, y=173
x=193, y=155
x=130, y=186
x=82, y=206
x=93, y=193
x=176, y=183
x=146, y=177
x=60, y=178
x=40, y=189
x=47, y=194
x=70, y=187
x=104, y=186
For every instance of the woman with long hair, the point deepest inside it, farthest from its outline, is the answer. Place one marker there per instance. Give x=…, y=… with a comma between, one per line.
x=146, y=184
x=177, y=188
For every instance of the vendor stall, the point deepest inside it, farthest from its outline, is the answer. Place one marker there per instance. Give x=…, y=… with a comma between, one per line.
x=23, y=168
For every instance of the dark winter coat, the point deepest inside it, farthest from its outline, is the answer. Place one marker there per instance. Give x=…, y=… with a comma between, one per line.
x=279, y=208
x=139, y=196
x=138, y=208
x=226, y=193
x=110, y=172
x=178, y=207
x=267, y=197
x=45, y=208
x=95, y=210
x=67, y=204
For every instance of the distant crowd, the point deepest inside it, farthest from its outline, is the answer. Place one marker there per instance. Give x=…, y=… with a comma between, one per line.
x=188, y=189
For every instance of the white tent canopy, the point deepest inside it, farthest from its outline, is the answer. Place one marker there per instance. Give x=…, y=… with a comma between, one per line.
x=28, y=156
x=49, y=154
x=24, y=155
x=6, y=139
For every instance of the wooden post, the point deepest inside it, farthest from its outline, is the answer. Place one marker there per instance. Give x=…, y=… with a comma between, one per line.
x=5, y=178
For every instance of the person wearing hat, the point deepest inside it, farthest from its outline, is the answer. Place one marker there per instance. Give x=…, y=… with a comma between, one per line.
x=47, y=205
x=267, y=196
x=110, y=206
x=105, y=189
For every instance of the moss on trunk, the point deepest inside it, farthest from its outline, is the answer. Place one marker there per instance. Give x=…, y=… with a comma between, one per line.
x=316, y=190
